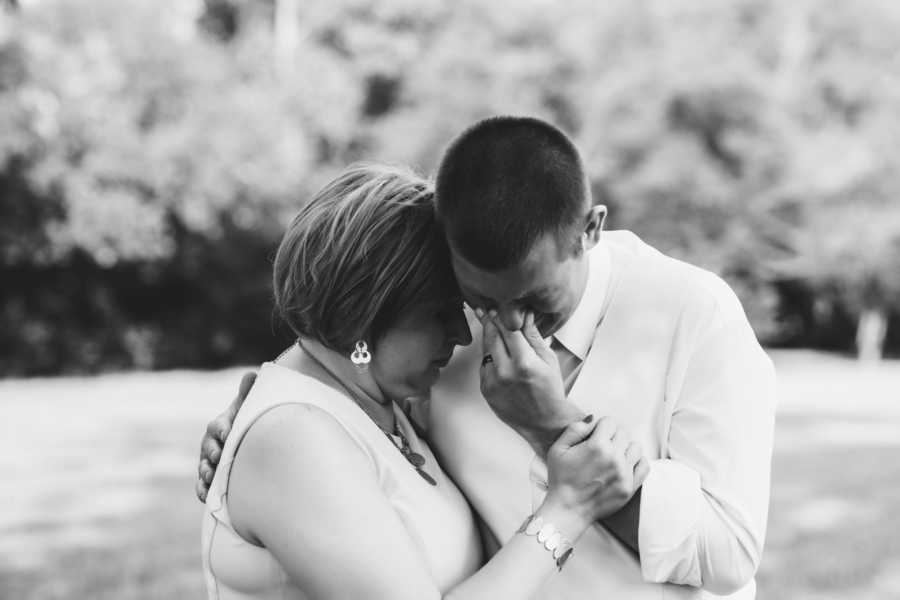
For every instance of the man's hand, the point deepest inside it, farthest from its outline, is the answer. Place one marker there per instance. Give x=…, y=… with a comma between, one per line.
x=522, y=382
x=216, y=432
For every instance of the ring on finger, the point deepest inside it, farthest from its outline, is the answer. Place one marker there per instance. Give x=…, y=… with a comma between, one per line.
x=488, y=359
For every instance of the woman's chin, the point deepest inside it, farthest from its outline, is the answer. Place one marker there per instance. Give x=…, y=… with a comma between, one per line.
x=416, y=384
x=425, y=381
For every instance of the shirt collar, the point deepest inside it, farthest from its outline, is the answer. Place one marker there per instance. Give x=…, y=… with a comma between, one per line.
x=577, y=333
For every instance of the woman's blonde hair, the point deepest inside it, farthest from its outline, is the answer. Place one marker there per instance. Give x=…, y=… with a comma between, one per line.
x=365, y=248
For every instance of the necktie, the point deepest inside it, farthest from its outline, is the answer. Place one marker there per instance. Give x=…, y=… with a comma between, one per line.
x=569, y=364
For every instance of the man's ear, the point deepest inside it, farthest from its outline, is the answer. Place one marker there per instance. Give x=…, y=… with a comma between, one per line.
x=593, y=226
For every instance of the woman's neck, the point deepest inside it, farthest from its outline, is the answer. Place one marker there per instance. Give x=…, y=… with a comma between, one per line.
x=334, y=370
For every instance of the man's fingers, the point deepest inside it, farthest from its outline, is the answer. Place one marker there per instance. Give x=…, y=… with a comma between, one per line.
x=533, y=336
x=206, y=471
x=201, y=489
x=210, y=450
x=494, y=345
x=220, y=427
x=641, y=470
x=633, y=453
x=515, y=342
x=216, y=432
x=247, y=382
x=488, y=333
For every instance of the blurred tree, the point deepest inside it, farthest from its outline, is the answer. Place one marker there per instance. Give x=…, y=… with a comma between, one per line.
x=848, y=249
x=219, y=19
x=164, y=180
x=843, y=184
x=152, y=152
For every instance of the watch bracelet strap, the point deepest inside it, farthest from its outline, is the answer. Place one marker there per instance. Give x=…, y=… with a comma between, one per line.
x=549, y=537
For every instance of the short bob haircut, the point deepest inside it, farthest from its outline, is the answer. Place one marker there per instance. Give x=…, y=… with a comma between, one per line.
x=362, y=251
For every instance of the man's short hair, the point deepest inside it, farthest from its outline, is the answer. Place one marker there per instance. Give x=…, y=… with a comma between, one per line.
x=505, y=182
x=359, y=254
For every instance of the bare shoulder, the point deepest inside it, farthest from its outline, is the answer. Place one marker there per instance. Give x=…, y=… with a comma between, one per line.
x=292, y=434
x=289, y=451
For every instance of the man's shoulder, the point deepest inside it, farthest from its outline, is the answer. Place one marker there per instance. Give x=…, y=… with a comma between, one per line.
x=655, y=277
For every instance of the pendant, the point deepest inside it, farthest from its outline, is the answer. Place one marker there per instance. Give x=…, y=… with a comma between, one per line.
x=426, y=476
x=416, y=459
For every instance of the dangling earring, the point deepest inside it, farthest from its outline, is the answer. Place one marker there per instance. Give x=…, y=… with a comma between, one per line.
x=361, y=357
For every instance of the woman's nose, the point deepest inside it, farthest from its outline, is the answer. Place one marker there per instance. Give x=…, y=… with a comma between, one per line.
x=460, y=333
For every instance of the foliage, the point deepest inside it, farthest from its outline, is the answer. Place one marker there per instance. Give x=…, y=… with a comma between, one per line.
x=151, y=152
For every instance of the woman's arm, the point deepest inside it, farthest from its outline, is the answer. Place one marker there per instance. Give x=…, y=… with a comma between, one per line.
x=327, y=522
x=521, y=566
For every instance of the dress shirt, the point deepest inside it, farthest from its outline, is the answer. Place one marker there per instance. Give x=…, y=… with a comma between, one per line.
x=671, y=357
x=569, y=364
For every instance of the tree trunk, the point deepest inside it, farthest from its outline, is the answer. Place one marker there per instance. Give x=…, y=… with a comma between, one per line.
x=870, y=332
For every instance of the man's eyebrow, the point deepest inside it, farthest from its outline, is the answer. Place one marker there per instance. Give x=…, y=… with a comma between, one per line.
x=469, y=292
x=539, y=293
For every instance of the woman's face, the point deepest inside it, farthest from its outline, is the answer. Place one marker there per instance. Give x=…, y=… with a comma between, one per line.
x=407, y=359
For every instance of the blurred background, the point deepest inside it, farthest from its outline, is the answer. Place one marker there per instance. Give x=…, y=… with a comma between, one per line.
x=151, y=153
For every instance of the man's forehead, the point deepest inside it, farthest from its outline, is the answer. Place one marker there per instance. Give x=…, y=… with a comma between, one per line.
x=524, y=279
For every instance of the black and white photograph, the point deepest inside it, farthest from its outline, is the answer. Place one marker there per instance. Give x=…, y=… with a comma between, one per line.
x=449, y=300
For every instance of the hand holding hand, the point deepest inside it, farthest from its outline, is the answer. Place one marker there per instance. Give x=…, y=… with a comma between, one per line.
x=594, y=469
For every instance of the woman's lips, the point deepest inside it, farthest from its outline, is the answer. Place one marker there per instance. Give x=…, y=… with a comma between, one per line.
x=442, y=362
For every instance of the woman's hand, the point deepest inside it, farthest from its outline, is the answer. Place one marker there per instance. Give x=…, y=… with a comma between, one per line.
x=594, y=468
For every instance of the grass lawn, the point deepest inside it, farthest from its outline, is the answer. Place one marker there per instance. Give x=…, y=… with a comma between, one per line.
x=97, y=495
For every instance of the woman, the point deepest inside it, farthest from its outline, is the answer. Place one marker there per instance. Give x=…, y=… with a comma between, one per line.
x=324, y=489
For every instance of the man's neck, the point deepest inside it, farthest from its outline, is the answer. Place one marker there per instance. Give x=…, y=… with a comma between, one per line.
x=577, y=332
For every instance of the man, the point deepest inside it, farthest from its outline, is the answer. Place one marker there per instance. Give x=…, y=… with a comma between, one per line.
x=653, y=344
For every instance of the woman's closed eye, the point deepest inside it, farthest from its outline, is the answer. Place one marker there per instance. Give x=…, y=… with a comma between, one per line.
x=449, y=309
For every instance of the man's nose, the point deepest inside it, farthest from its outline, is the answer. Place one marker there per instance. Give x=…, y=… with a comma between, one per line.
x=511, y=317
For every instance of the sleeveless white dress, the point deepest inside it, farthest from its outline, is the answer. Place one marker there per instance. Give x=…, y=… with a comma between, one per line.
x=437, y=518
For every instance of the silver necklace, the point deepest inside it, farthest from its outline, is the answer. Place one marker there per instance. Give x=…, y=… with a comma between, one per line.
x=414, y=458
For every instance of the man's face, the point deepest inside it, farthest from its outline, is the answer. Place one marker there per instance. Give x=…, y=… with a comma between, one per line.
x=549, y=282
